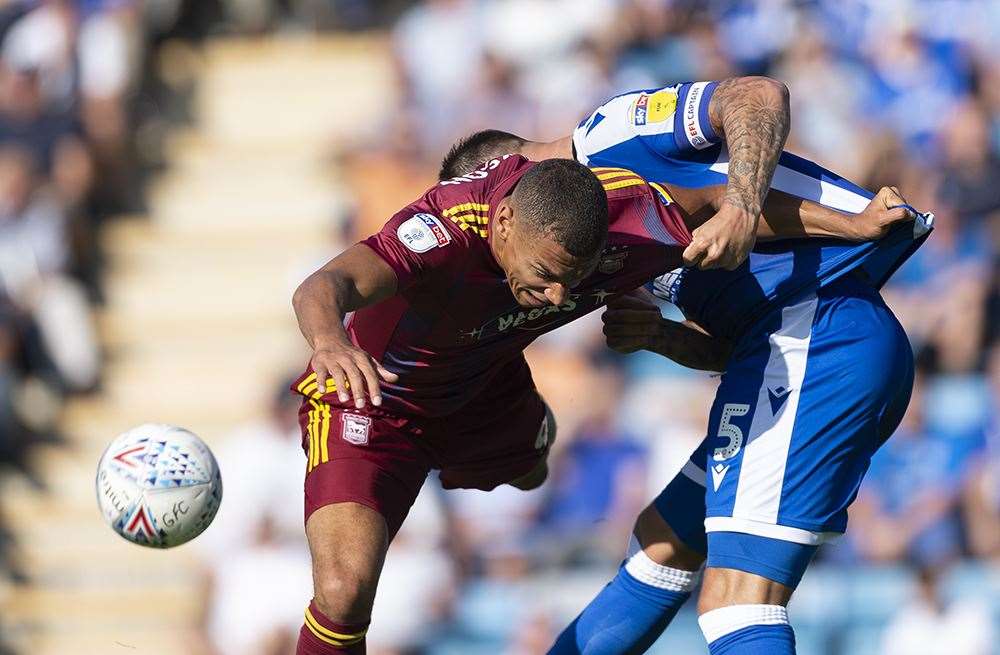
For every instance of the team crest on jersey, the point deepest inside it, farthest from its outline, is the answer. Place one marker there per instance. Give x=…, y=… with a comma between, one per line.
x=653, y=107
x=612, y=261
x=422, y=232
x=356, y=428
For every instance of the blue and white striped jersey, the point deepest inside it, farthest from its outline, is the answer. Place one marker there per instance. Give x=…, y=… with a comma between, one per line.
x=664, y=135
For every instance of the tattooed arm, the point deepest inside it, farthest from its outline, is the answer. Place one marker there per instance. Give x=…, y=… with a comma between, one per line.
x=752, y=116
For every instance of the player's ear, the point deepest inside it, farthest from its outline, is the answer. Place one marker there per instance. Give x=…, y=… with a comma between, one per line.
x=503, y=218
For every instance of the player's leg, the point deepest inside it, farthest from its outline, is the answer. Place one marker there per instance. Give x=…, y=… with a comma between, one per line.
x=792, y=448
x=544, y=441
x=660, y=570
x=363, y=474
x=347, y=542
x=483, y=449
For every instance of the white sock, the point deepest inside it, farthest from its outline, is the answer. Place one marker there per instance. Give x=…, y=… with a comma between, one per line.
x=718, y=623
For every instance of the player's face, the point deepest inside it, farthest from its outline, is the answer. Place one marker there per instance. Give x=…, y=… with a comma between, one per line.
x=539, y=271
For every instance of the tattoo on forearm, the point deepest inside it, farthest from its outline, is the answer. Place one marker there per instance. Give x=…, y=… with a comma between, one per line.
x=753, y=116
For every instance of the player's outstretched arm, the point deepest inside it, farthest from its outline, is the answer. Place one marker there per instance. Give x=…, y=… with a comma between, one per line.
x=633, y=323
x=354, y=279
x=788, y=216
x=752, y=115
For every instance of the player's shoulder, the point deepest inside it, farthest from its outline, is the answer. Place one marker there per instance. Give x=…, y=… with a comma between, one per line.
x=465, y=202
x=669, y=119
x=454, y=213
x=623, y=184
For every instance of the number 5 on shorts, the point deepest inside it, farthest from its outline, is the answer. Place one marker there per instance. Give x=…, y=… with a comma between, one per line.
x=730, y=431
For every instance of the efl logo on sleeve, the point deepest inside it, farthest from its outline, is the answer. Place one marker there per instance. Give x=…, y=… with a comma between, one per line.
x=692, y=124
x=422, y=232
x=356, y=428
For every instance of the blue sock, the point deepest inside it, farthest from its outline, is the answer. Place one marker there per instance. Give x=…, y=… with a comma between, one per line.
x=748, y=630
x=630, y=613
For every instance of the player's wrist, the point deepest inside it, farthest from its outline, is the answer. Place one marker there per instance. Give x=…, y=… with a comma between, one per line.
x=739, y=211
x=660, y=341
x=330, y=342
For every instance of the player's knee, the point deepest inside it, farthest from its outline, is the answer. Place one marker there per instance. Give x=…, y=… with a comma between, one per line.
x=724, y=587
x=344, y=594
x=534, y=478
x=662, y=545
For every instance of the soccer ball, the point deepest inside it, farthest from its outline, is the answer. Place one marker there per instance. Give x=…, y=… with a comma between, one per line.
x=158, y=485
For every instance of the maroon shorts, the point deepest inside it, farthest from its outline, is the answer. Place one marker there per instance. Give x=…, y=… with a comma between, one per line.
x=380, y=460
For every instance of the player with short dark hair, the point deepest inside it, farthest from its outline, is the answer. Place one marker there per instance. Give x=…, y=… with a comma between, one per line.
x=443, y=300
x=468, y=153
x=564, y=201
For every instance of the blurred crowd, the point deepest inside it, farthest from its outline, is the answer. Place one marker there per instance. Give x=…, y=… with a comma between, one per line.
x=897, y=92
x=82, y=112
x=64, y=80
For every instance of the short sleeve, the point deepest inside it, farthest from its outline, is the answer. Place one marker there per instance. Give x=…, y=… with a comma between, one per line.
x=415, y=244
x=670, y=122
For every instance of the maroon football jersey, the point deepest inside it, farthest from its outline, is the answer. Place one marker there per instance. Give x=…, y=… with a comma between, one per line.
x=454, y=321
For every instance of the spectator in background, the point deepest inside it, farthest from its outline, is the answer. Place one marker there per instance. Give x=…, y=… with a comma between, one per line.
x=256, y=540
x=263, y=464
x=598, y=483
x=250, y=597
x=912, y=87
x=655, y=45
x=829, y=93
x=49, y=131
x=982, y=492
x=932, y=625
x=497, y=599
x=16, y=437
x=971, y=166
x=108, y=42
x=34, y=258
x=417, y=587
x=438, y=47
x=908, y=503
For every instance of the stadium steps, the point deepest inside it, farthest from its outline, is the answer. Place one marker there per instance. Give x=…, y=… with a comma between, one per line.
x=197, y=328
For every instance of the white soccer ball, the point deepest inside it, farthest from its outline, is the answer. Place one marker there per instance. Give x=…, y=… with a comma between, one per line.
x=158, y=485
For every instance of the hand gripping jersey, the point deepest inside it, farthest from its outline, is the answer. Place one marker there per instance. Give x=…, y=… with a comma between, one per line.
x=454, y=321
x=665, y=135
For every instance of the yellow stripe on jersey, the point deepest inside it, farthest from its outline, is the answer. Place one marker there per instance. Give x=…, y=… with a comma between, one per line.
x=312, y=442
x=315, y=415
x=305, y=383
x=466, y=206
x=614, y=174
x=611, y=186
x=471, y=218
x=601, y=169
x=663, y=192
x=324, y=448
x=309, y=386
x=465, y=225
x=328, y=636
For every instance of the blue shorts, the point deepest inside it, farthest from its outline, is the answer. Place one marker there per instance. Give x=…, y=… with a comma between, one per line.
x=811, y=392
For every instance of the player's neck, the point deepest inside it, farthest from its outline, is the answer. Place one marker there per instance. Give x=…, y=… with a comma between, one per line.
x=558, y=149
